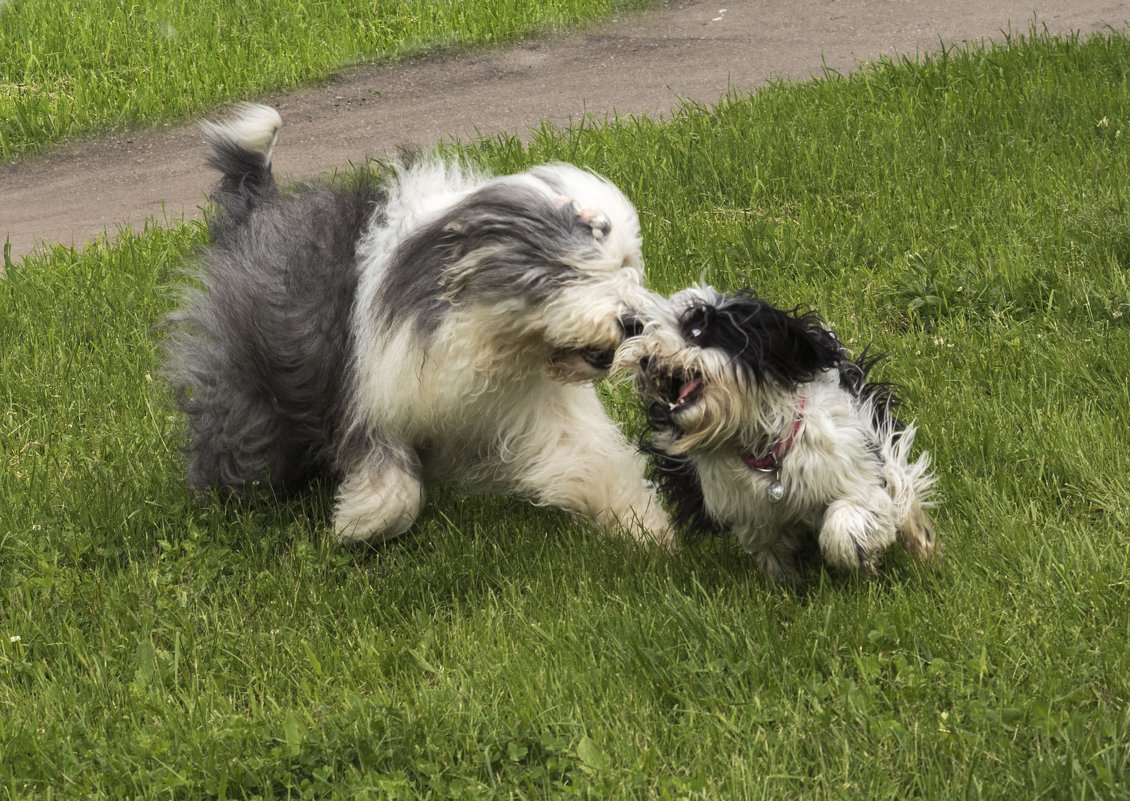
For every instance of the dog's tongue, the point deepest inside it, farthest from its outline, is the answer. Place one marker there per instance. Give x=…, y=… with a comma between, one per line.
x=687, y=389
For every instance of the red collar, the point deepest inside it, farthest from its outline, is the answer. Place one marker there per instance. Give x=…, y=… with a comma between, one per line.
x=771, y=462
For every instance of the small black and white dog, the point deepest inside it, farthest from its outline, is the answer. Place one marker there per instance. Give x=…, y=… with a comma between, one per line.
x=432, y=324
x=760, y=423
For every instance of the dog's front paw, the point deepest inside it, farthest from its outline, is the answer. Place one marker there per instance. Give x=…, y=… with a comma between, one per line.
x=645, y=522
x=376, y=503
x=853, y=538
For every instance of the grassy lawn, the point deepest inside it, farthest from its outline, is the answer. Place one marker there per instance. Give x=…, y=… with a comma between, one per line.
x=72, y=67
x=968, y=215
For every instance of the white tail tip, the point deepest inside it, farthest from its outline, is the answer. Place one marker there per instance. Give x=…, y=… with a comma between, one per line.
x=253, y=127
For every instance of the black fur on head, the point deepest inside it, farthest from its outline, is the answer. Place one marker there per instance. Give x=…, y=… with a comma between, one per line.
x=764, y=342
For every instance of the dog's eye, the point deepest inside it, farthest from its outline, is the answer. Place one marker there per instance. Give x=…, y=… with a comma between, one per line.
x=695, y=324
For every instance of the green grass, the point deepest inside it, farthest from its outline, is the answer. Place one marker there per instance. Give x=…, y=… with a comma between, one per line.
x=968, y=216
x=73, y=67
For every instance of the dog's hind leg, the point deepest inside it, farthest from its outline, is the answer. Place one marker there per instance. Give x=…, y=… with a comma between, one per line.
x=909, y=485
x=379, y=498
x=776, y=552
x=237, y=438
x=916, y=533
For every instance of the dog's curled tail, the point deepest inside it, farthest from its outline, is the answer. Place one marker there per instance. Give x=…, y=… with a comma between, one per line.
x=241, y=150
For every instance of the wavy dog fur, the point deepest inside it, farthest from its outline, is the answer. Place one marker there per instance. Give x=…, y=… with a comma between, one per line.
x=760, y=423
x=433, y=323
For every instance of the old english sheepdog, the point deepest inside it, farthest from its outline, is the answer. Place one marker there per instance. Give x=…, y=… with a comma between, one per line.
x=431, y=323
x=760, y=423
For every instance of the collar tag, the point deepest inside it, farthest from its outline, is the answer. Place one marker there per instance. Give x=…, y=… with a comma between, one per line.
x=771, y=462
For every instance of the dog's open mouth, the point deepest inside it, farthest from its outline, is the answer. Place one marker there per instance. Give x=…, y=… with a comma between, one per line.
x=680, y=390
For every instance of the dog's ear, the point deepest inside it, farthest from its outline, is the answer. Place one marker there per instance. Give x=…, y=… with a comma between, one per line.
x=677, y=480
x=807, y=347
x=789, y=347
x=855, y=379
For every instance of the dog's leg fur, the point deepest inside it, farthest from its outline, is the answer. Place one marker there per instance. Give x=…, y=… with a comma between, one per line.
x=379, y=498
x=855, y=532
x=577, y=459
x=909, y=484
x=237, y=438
x=774, y=550
x=916, y=533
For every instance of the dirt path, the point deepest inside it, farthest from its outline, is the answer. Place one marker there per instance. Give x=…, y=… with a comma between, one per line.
x=643, y=64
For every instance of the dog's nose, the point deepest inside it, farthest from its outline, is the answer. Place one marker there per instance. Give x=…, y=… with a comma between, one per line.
x=630, y=325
